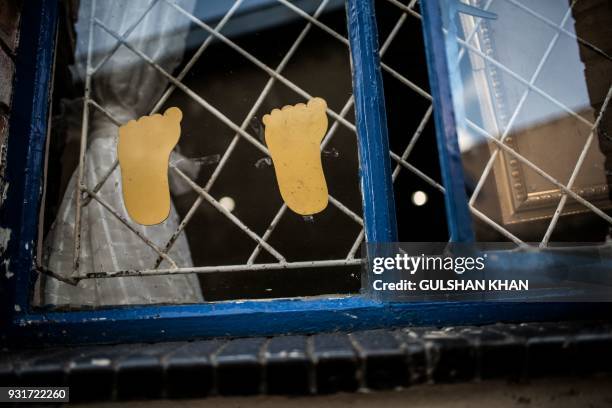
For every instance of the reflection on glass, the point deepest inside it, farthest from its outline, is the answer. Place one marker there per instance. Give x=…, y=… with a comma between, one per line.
x=530, y=83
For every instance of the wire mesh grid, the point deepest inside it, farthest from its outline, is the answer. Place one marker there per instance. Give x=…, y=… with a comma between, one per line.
x=408, y=10
x=499, y=141
x=241, y=132
x=467, y=46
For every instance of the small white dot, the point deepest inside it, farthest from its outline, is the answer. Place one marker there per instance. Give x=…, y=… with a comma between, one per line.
x=419, y=198
x=228, y=203
x=101, y=362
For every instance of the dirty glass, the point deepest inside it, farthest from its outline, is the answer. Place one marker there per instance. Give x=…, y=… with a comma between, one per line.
x=229, y=235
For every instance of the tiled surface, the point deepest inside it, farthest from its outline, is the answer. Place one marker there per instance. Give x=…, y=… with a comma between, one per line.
x=322, y=363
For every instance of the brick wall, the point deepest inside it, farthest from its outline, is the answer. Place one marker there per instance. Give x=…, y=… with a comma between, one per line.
x=9, y=37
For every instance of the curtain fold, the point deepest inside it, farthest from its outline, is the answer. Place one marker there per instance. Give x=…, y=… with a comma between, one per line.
x=128, y=88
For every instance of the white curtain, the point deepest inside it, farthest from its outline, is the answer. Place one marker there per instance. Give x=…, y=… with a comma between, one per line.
x=128, y=88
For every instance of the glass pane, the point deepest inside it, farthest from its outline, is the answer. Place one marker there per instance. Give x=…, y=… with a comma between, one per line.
x=418, y=192
x=530, y=82
x=224, y=64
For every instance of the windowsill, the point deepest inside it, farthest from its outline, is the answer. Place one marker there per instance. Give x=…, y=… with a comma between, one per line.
x=317, y=364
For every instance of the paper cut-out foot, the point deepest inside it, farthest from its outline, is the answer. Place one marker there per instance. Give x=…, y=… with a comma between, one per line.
x=293, y=135
x=144, y=151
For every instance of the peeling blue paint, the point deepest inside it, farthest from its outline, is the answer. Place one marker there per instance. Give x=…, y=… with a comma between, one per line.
x=263, y=318
x=375, y=163
x=26, y=147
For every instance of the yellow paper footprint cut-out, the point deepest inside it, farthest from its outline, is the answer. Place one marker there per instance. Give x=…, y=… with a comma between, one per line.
x=144, y=152
x=293, y=135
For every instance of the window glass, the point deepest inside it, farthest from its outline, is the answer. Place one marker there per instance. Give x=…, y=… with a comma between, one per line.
x=416, y=170
x=530, y=84
x=224, y=65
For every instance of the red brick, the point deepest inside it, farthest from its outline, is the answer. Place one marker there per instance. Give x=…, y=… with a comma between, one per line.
x=3, y=128
x=9, y=22
x=6, y=78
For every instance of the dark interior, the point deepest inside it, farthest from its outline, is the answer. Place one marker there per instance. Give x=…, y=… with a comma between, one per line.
x=232, y=84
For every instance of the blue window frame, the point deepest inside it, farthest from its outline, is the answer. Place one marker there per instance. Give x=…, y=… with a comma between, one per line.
x=22, y=324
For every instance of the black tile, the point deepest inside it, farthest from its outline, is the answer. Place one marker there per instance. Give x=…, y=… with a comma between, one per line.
x=91, y=378
x=92, y=375
x=190, y=371
x=7, y=372
x=499, y=354
x=140, y=375
x=591, y=353
x=503, y=359
x=384, y=362
x=9, y=362
x=336, y=363
x=287, y=365
x=547, y=356
x=44, y=368
x=414, y=348
x=452, y=358
x=239, y=369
